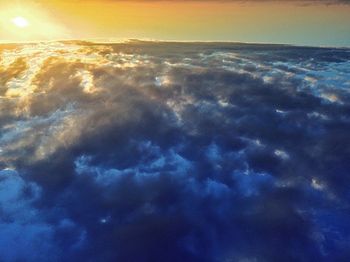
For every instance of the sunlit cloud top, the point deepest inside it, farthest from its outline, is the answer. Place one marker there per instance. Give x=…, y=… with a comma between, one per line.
x=179, y=151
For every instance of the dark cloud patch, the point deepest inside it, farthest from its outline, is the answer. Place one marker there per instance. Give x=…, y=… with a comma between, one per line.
x=151, y=151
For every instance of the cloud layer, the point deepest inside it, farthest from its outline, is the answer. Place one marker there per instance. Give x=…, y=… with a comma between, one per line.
x=151, y=151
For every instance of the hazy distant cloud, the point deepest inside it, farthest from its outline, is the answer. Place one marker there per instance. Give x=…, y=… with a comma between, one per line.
x=152, y=151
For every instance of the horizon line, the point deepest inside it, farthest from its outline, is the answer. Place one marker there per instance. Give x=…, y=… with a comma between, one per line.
x=152, y=40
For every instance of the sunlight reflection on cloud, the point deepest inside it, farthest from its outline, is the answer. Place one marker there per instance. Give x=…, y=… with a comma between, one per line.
x=184, y=151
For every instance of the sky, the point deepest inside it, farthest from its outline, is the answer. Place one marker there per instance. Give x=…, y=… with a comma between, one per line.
x=316, y=23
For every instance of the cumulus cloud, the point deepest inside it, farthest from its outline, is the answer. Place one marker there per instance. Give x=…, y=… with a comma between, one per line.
x=152, y=151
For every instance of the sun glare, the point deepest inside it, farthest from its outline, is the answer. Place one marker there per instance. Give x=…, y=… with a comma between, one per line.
x=28, y=22
x=20, y=22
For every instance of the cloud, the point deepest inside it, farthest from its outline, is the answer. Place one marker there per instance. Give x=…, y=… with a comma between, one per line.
x=154, y=151
x=23, y=233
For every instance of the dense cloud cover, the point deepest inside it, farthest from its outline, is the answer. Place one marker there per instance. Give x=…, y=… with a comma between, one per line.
x=150, y=151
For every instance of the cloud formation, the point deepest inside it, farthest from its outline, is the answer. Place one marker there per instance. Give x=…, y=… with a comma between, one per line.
x=153, y=151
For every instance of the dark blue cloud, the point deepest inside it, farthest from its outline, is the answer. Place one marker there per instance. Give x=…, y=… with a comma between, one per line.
x=147, y=151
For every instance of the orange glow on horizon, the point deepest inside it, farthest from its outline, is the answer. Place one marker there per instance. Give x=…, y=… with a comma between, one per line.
x=274, y=22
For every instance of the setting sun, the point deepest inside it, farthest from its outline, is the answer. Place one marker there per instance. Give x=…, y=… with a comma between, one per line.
x=28, y=22
x=20, y=22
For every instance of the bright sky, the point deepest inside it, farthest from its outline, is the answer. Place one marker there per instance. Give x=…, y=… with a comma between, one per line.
x=249, y=21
